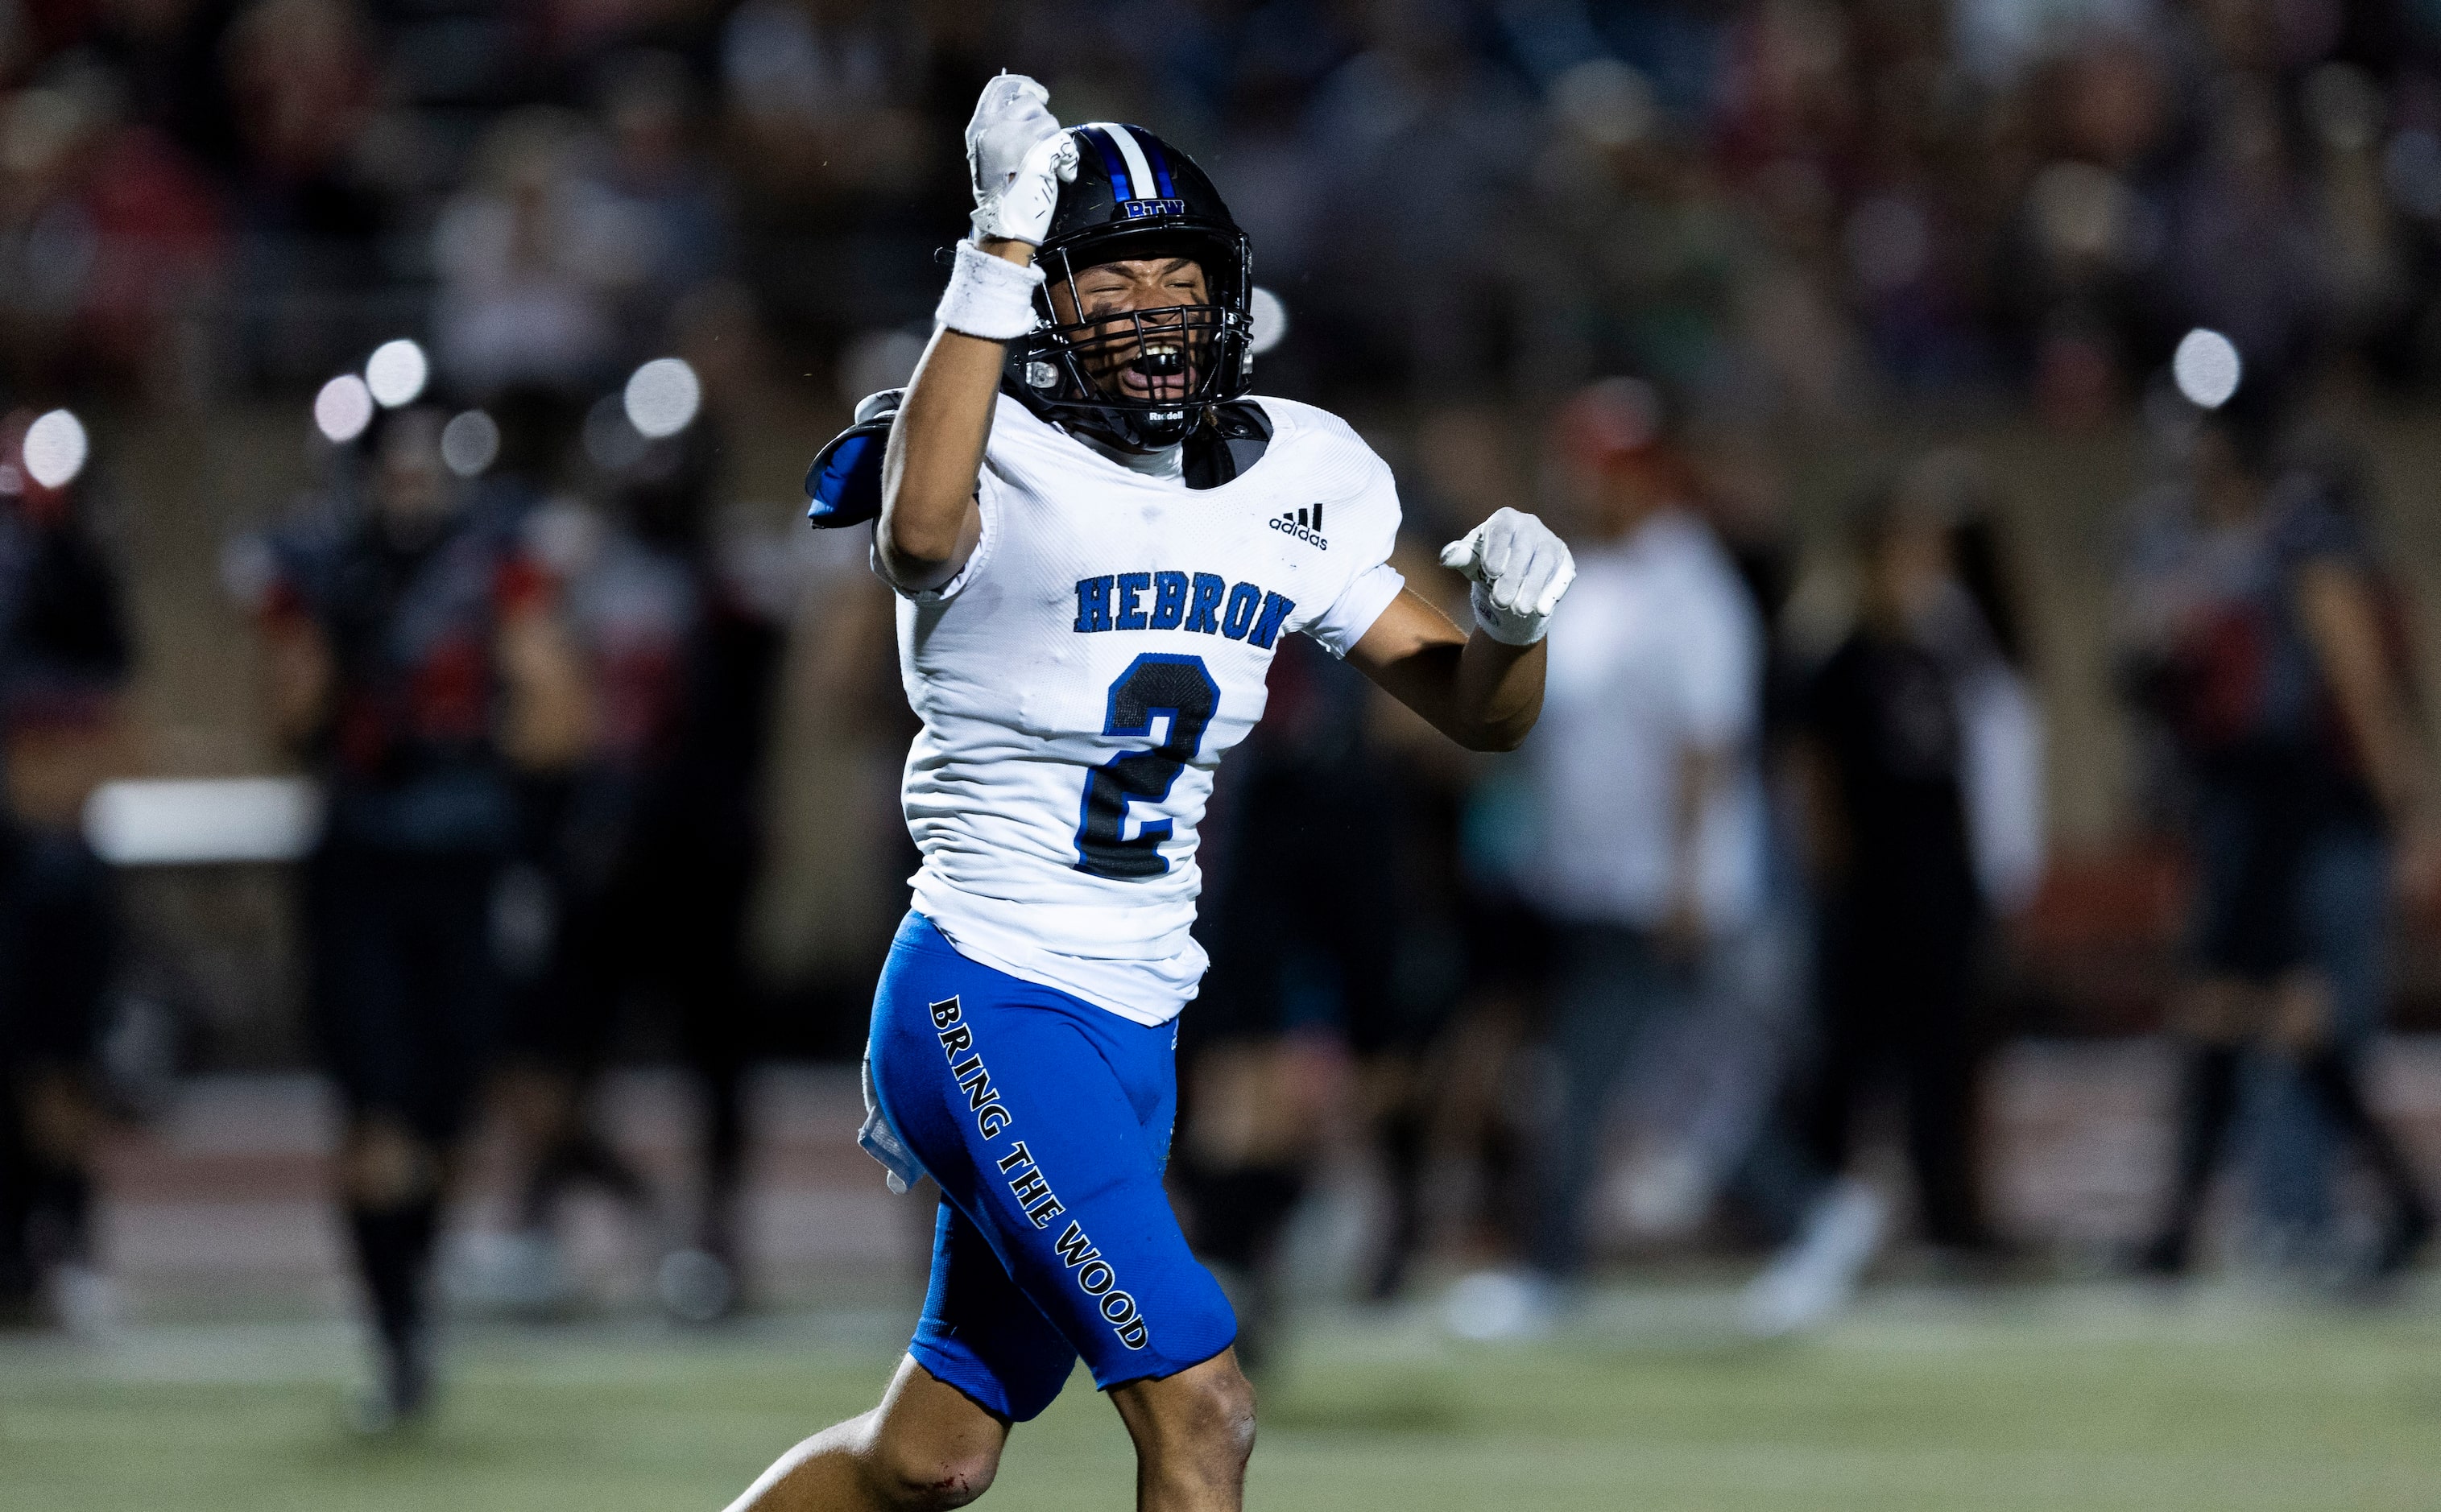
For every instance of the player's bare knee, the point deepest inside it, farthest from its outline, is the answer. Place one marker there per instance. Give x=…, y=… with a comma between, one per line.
x=928, y=1477
x=930, y=1484
x=1216, y=1412
x=1233, y=1408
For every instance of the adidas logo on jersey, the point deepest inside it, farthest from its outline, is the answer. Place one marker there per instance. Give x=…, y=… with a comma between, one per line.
x=1305, y=523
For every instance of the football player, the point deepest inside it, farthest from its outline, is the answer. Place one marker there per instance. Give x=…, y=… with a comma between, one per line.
x=1097, y=543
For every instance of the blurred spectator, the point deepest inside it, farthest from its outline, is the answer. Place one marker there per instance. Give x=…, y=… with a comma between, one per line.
x=1676, y=249
x=1921, y=767
x=1924, y=713
x=1423, y=147
x=107, y=237
x=64, y=655
x=2245, y=253
x=534, y=259
x=656, y=180
x=1801, y=206
x=311, y=200
x=826, y=98
x=302, y=78
x=1648, y=809
x=653, y=846
x=414, y=663
x=2265, y=633
x=1473, y=951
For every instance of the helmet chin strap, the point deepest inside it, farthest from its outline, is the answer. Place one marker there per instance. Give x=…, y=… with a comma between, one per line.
x=1130, y=430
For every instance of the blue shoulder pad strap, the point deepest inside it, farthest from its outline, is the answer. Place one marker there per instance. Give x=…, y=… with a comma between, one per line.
x=843, y=487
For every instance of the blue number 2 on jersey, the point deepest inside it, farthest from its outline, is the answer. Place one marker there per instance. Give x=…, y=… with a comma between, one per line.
x=1154, y=684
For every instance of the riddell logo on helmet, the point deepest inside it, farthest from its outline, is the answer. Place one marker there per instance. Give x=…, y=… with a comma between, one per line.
x=1305, y=523
x=1138, y=209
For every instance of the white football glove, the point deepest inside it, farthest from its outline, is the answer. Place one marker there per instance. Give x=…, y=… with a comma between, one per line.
x=1018, y=157
x=1519, y=569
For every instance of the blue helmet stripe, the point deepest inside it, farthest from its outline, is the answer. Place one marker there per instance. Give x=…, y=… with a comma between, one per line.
x=1159, y=159
x=1117, y=166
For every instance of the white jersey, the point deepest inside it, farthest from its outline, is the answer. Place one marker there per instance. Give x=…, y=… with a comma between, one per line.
x=1079, y=680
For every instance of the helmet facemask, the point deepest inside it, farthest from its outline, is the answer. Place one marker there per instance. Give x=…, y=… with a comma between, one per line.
x=1139, y=379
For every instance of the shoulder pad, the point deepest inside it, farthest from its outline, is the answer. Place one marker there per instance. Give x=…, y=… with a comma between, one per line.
x=843, y=487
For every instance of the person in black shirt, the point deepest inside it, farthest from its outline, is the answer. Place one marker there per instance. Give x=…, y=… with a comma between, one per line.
x=1882, y=750
x=2268, y=642
x=415, y=661
x=65, y=657
x=654, y=847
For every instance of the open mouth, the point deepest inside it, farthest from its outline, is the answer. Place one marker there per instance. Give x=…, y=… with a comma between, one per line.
x=1159, y=371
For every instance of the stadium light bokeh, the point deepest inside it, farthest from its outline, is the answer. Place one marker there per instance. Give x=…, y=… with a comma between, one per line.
x=396, y=372
x=661, y=396
x=470, y=443
x=55, y=449
x=1268, y=314
x=2206, y=368
x=343, y=408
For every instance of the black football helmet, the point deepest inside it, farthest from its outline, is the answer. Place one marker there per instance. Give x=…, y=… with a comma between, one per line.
x=1136, y=196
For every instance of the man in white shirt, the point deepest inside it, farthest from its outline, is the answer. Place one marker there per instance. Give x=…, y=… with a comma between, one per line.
x=1649, y=833
x=1097, y=542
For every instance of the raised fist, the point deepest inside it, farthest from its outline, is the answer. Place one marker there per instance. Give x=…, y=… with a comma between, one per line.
x=1018, y=156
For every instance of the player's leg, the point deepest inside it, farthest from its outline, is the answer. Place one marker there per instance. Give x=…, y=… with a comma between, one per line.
x=1193, y=1429
x=1848, y=1041
x=1046, y=1121
x=1193, y=1433
x=604, y=928
x=2330, y=1016
x=2304, y=1031
x=984, y=1355
x=59, y=960
x=1603, y=1006
x=1164, y=1354
x=1944, y=1067
x=389, y=1179
x=2213, y=1016
x=928, y=1444
x=557, y=1036
x=704, y=896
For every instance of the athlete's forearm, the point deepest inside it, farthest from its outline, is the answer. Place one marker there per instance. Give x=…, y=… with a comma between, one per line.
x=929, y=520
x=930, y=523
x=1479, y=692
x=1497, y=695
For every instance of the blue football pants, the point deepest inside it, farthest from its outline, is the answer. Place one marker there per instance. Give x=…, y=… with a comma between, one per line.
x=1045, y=1121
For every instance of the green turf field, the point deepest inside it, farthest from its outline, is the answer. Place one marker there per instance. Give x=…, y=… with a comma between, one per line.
x=2055, y=1398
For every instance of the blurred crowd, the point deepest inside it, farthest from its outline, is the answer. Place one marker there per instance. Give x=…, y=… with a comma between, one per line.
x=1642, y=983
x=1792, y=208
